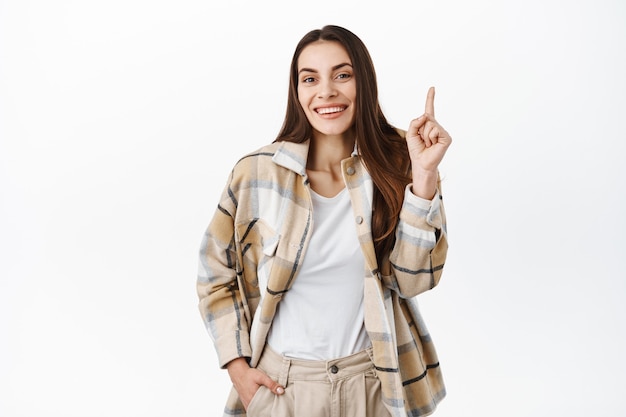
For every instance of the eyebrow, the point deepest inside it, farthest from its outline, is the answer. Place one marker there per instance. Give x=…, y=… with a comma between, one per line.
x=336, y=67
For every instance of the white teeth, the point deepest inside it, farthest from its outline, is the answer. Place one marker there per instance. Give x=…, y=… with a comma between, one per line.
x=327, y=110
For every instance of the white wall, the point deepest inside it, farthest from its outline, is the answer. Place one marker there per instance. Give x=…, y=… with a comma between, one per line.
x=120, y=120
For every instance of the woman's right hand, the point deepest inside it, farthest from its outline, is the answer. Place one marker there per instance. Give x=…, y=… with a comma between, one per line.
x=247, y=380
x=427, y=143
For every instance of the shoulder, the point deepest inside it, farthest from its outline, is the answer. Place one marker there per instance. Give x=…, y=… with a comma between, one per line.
x=262, y=155
x=271, y=159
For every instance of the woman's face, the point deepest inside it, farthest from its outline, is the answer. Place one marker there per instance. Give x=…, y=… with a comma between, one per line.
x=326, y=87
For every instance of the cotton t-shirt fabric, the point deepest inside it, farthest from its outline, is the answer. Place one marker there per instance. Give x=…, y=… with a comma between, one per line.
x=321, y=317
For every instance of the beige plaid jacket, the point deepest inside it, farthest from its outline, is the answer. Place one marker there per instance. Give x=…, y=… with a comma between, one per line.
x=262, y=225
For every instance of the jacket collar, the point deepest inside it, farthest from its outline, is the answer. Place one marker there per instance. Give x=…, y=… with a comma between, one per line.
x=293, y=155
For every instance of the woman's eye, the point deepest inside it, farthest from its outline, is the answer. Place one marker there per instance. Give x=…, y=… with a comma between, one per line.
x=308, y=80
x=344, y=76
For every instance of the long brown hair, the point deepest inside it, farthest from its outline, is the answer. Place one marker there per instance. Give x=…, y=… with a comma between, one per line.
x=381, y=147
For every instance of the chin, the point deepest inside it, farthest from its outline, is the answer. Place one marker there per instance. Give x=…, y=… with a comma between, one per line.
x=333, y=131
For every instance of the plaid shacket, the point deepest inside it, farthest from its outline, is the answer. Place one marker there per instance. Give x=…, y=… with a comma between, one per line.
x=263, y=224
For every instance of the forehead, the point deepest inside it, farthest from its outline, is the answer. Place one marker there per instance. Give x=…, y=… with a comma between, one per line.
x=323, y=54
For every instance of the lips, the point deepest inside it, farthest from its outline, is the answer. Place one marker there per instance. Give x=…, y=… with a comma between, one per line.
x=330, y=110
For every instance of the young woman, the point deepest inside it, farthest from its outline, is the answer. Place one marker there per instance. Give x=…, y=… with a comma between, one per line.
x=321, y=241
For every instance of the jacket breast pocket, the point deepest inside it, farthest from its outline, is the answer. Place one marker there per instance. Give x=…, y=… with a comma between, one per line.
x=258, y=243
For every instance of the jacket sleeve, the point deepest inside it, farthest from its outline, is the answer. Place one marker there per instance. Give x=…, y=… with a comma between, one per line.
x=221, y=300
x=417, y=259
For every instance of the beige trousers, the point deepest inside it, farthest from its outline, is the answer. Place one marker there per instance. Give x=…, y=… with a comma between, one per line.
x=344, y=387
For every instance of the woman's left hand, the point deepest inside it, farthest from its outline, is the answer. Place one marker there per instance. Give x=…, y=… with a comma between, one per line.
x=427, y=140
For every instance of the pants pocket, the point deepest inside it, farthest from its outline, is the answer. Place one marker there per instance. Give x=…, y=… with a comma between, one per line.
x=261, y=403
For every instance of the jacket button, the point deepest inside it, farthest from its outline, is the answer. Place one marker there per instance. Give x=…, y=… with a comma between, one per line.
x=359, y=219
x=334, y=369
x=350, y=171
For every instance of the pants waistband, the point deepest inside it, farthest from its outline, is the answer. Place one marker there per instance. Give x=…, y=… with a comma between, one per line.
x=283, y=368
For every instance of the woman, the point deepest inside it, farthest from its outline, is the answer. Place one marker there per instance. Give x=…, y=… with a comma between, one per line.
x=321, y=240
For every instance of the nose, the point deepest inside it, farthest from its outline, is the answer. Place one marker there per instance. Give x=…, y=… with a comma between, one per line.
x=326, y=89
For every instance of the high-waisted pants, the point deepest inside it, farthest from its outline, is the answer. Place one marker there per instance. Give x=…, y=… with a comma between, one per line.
x=344, y=387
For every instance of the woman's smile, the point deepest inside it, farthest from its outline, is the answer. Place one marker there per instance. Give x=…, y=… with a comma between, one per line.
x=331, y=111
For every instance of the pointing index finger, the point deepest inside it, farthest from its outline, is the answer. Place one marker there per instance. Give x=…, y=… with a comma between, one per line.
x=430, y=101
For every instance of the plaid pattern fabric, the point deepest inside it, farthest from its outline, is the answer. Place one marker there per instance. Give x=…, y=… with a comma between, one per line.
x=262, y=225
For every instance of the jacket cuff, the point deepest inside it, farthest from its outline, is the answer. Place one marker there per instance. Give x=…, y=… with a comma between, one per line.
x=421, y=212
x=232, y=346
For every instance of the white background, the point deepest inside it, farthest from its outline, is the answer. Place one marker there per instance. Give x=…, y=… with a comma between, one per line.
x=119, y=123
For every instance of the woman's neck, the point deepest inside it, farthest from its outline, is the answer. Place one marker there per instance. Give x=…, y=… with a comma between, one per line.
x=324, y=163
x=327, y=152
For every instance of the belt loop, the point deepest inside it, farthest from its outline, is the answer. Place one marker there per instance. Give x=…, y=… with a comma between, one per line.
x=283, y=378
x=370, y=353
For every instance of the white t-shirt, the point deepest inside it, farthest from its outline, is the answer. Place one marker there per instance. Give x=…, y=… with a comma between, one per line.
x=321, y=316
